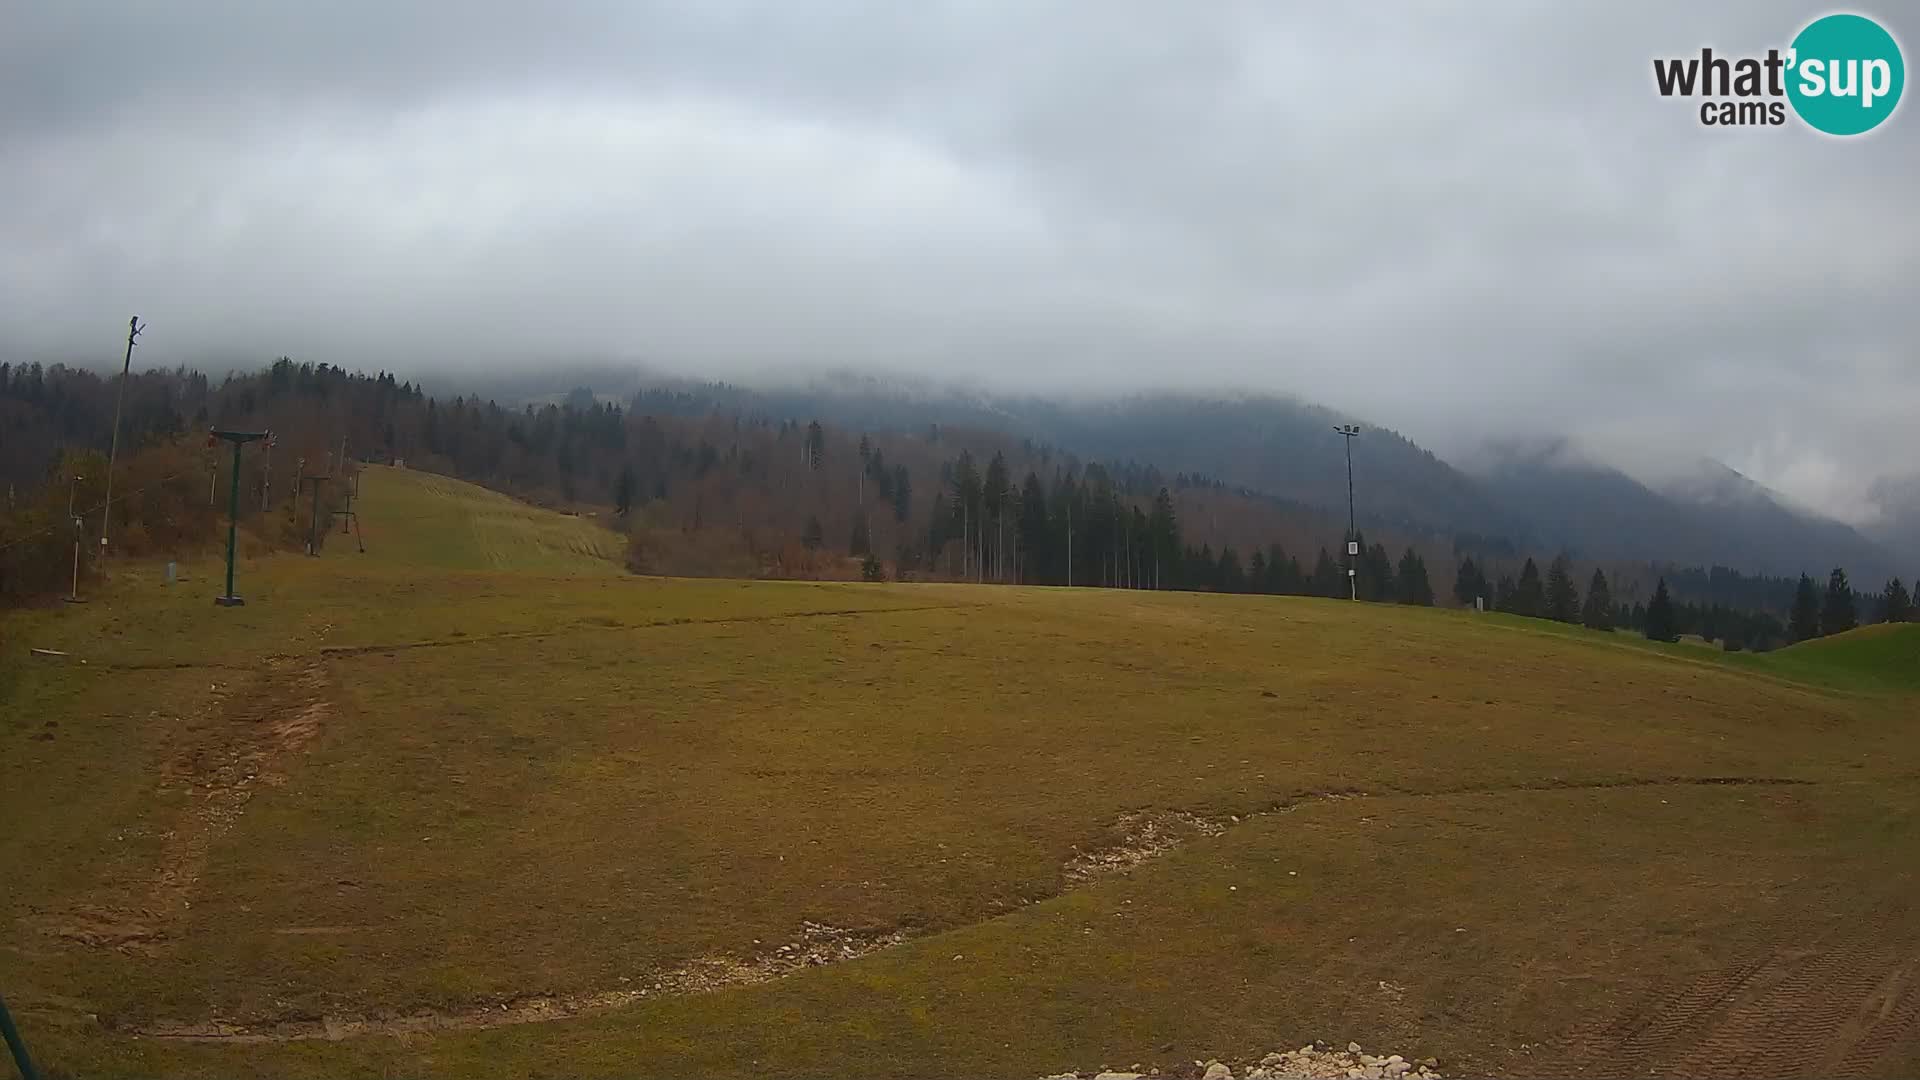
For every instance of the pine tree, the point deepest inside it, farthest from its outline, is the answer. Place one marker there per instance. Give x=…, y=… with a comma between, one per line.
x=1410, y=581
x=623, y=491
x=1896, y=605
x=1230, y=577
x=813, y=535
x=1376, y=574
x=1598, y=613
x=1529, y=596
x=1838, y=615
x=1469, y=583
x=816, y=446
x=1804, y=622
x=1326, y=577
x=1503, y=593
x=1659, y=617
x=902, y=493
x=1163, y=537
x=860, y=543
x=871, y=570
x=1563, y=602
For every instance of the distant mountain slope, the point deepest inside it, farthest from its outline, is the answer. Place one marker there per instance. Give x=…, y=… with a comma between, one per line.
x=1710, y=516
x=1898, y=499
x=1544, y=497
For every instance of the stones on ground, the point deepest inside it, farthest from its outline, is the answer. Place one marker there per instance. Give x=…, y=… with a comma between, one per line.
x=1314, y=1061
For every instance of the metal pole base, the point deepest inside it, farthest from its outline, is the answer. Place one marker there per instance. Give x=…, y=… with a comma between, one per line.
x=74, y=599
x=229, y=601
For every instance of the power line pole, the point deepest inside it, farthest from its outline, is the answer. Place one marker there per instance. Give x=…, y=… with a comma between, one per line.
x=1350, y=432
x=73, y=594
x=113, y=450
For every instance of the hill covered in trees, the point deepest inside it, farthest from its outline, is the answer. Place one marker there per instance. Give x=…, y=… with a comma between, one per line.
x=716, y=479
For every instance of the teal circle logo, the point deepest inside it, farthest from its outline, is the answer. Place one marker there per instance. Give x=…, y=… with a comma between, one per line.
x=1845, y=74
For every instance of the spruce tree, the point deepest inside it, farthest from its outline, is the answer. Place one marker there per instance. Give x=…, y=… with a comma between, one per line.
x=1376, y=574
x=1230, y=577
x=1412, y=579
x=1529, y=595
x=813, y=535
x=1326, y=577
x=1659, y=617
x=902, y=493
x=1838, y=615
x=1598, y=612
x=816, y=447
x=1563, y=601
x=1503, y=593
x=1804, y=622
x=623, y=491
x=1896, y=605
x=1469, y=583
x=860, y=543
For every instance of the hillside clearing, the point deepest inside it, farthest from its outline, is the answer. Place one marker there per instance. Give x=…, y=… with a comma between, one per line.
x=475, y=803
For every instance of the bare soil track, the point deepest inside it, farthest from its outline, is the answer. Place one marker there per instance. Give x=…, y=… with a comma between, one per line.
x=253, y=731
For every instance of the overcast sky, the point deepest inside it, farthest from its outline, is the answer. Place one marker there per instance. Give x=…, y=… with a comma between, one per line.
x=1459, y=225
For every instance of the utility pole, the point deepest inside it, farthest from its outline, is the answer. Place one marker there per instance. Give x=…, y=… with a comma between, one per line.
x=1069, y=545
x=113, y=449
x=1350, y=432
x=73, y=594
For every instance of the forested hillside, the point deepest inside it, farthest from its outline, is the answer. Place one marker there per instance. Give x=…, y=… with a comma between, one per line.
x=715, y=481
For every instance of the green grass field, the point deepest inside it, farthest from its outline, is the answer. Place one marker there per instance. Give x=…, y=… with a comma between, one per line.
x=457, y=806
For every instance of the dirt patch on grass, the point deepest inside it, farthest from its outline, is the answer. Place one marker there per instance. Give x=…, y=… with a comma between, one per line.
x=1137, y=836
x=817, y=945
x=246, y=741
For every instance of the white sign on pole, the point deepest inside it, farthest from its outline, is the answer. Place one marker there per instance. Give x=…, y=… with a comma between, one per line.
x=1349, y=571
x=1353, y=547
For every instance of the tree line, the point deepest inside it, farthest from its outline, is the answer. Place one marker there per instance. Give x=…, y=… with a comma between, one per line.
x=1556, y=597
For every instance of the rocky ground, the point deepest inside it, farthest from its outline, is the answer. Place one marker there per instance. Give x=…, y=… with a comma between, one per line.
x=1318, y=1061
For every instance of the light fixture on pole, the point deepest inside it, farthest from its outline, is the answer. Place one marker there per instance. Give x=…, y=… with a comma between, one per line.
x=1349, y=432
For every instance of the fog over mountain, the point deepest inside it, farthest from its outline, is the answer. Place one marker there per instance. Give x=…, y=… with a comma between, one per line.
x=1458, y=227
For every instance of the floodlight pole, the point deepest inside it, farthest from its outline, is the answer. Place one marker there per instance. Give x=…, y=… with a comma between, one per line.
x=1349, y=432
x=113, y=448
x=238, y=439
